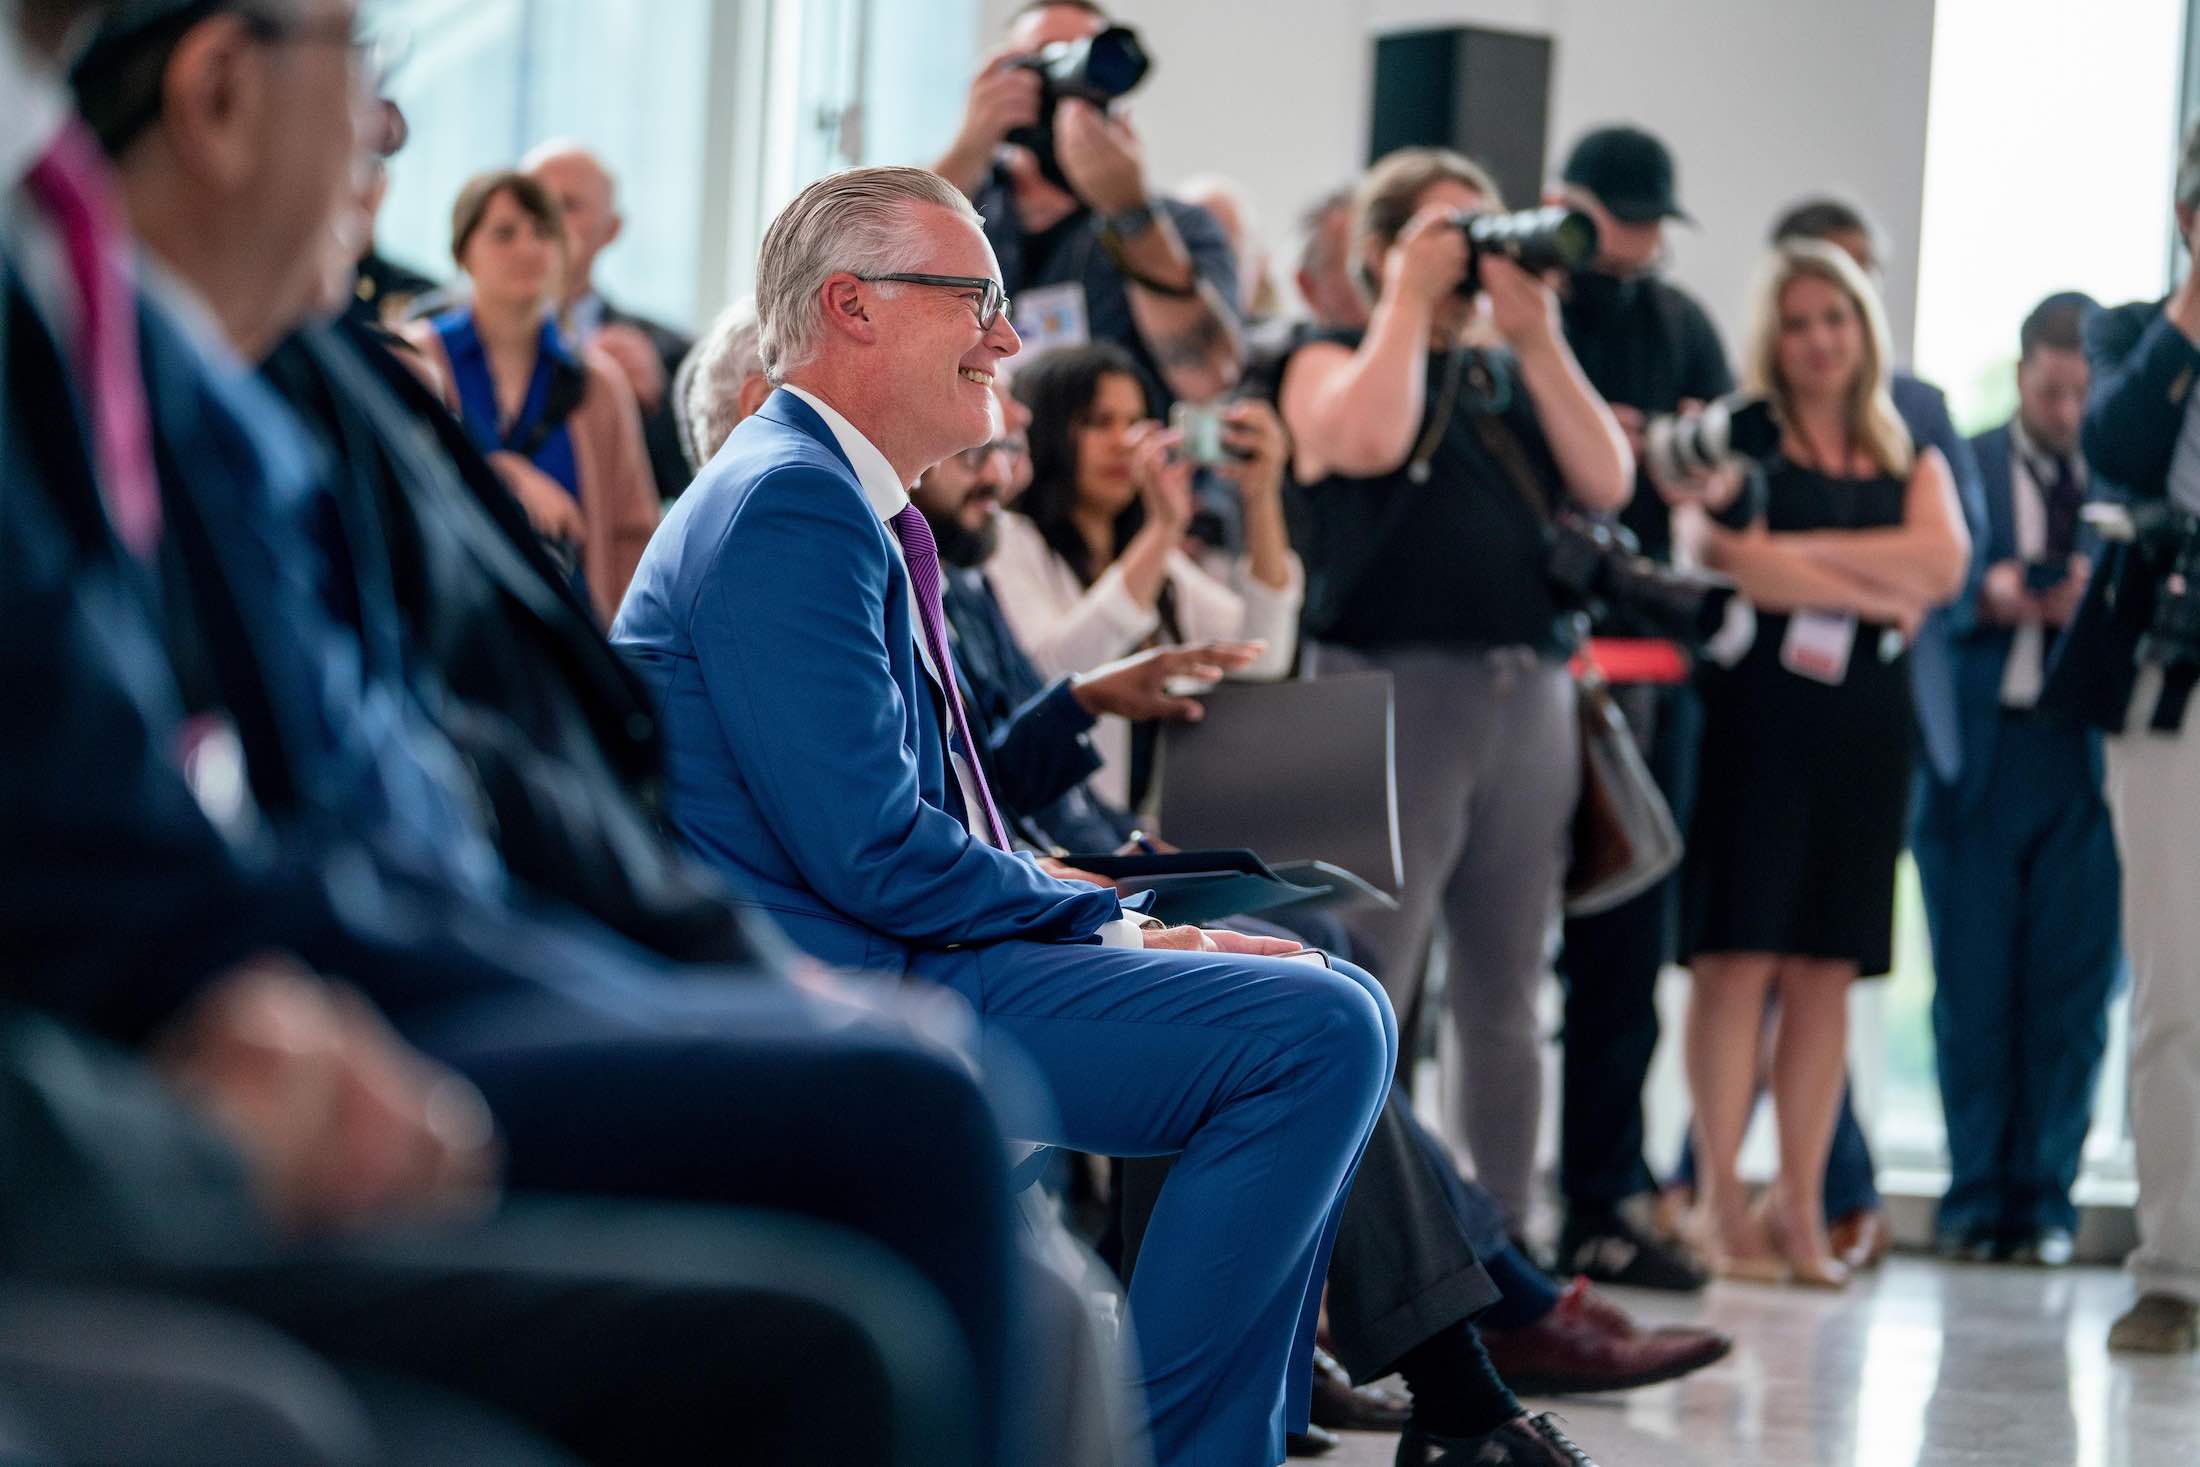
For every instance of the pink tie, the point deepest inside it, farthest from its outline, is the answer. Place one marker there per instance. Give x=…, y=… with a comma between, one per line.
x=74, y=185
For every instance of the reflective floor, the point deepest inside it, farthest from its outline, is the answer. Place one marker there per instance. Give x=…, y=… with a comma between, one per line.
x=1922, y=1365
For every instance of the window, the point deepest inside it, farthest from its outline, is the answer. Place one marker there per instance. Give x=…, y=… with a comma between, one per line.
x=2050, y=147
x=711, y=115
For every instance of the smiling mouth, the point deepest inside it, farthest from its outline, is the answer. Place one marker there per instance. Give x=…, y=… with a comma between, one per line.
x=972, y=374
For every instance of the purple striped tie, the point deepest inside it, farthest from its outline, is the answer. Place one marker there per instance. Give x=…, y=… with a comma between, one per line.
x=923, y=556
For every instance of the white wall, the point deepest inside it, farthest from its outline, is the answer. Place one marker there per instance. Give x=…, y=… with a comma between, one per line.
x=1761, y=101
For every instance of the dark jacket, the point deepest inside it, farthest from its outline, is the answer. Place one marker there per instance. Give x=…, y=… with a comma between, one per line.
x=493, y=641
x=1038, y=755
x=2142, y=372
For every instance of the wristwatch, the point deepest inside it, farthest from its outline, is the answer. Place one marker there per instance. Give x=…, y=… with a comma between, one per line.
x=1131, y=222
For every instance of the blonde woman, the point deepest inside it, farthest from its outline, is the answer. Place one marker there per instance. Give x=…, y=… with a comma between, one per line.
x=1808, y=746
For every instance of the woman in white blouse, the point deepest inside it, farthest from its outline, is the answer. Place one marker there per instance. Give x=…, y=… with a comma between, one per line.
x=1091, y=564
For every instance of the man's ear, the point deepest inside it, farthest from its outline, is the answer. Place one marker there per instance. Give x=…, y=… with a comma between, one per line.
x=751, y=394
x=611, y=230
x=845, y=308
x=213, y=95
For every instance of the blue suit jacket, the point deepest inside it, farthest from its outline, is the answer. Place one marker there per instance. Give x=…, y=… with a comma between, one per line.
x=1924, y=411
x=770, y=618
x=1981, y=652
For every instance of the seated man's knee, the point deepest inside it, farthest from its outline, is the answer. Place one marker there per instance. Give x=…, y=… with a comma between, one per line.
x=1350, y=1028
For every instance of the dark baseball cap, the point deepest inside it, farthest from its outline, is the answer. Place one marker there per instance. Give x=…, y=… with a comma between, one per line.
x=1629, y=171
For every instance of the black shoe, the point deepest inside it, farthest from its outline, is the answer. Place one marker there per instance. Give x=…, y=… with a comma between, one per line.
x=1604, y=1247
x=1342, y=1406
x=1313, y=1442
x=1972, y=1246
x=2047, y=1248
x=1531, y=1441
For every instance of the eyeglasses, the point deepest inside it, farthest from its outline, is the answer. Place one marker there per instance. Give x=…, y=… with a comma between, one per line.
x=991, y=301
x=974, y=459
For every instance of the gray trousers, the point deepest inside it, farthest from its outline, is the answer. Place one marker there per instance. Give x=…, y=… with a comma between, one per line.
x=2154, y=797
x=1489, y=770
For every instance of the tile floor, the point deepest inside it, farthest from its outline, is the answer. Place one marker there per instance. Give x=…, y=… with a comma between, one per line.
x=1922, y=1365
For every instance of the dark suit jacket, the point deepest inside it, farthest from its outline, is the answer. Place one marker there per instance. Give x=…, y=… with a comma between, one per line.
x=121, y=892
x=2142, y=373
x=661, y=428
x=1038, y=755
x=444, y=574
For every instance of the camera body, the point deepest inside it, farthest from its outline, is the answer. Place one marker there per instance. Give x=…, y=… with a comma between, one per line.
x=1597, y=568
x=1537, y=240
x=1200, y=426
x=1097, y=69
x=1678, y=445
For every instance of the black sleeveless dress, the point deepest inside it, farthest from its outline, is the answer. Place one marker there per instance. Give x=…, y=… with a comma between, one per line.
x=1805, y=784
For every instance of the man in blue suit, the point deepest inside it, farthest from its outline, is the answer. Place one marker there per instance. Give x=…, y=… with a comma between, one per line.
x=2016, y=854
x=788, y=618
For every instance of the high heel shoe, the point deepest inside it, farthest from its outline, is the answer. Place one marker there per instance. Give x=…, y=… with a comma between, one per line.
x=1762, y=1264
x=1821, y=1272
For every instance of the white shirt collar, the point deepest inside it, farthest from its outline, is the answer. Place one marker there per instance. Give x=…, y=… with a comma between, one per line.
x=33, y=107
x=881, y=485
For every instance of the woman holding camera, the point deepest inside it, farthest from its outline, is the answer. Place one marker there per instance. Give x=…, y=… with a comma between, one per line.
x=1808, y=745
x=1091, y=564
x=1434, y=446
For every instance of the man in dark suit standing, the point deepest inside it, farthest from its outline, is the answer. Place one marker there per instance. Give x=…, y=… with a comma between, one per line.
x=648, y=352
x=2016, y=854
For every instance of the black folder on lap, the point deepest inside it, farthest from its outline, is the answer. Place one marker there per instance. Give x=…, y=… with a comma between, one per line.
x=1199, y=887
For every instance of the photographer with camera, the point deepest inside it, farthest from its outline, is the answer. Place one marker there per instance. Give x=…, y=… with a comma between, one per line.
x=1434, y=446
x=2017, y=857
x=1649, y=349
x=2142, y=436
x=1087, y=250
x=1789, y=886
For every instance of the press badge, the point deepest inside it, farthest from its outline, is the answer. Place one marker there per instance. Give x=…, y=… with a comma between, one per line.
x=1818, y=644
x=1051, y=317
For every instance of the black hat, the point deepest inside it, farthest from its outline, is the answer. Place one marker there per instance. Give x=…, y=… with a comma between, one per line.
x=1629, y=171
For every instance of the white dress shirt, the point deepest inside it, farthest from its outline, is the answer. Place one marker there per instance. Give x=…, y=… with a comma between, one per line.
x=2026, y=672
x=888, y=497
x=1066, y=627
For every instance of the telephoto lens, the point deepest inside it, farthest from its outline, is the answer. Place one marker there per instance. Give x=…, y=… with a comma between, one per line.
x=1537, y=240
x=1097, y=69
x=1678, y=445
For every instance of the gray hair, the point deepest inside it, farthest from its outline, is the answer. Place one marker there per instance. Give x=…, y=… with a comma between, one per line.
x=856, y=220
x=706, y=390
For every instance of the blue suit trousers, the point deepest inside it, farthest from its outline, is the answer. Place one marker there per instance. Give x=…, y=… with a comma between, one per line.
x=2022, y=894
x=1265, y=1076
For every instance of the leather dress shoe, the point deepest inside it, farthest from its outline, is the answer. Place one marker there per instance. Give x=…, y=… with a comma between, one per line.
x=1587, y=1343
x=1862, y=1239
x=1964, y=1247
x=1312, y=1442
x=1341, y=1406
x=1606, y=1246
x=1530, y=1441
x=2047, y=1248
